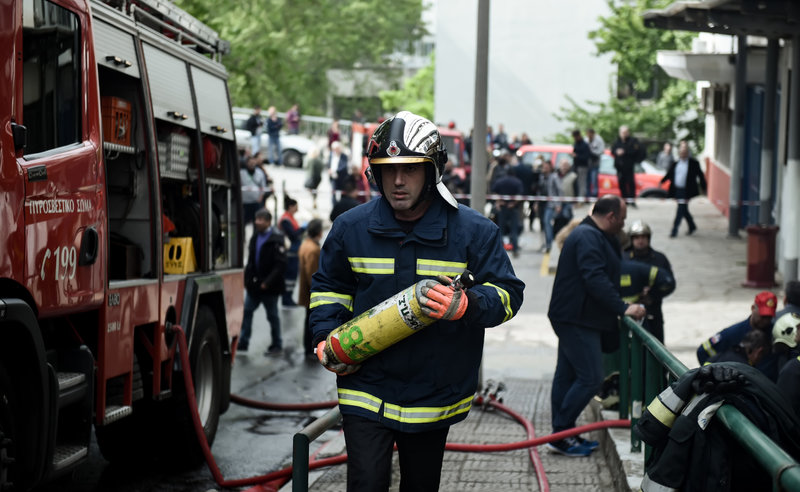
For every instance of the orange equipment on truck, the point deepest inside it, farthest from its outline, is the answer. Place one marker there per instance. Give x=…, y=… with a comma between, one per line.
x=107, y=107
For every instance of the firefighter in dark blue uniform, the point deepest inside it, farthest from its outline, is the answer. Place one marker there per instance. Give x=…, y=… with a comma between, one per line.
x=641, y=251
x=416, y=232
x=761, y=313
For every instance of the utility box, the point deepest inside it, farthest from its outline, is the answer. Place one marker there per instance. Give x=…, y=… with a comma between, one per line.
x=761, y=256
x=179, y=256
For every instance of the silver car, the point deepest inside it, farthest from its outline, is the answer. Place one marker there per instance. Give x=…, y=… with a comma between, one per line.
x=293, y=147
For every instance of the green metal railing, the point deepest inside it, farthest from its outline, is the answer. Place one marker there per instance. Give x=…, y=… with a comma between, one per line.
x=301, y=442
x=639, y=348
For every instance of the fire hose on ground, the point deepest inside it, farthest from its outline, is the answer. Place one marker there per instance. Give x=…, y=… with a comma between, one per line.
x=282, y=476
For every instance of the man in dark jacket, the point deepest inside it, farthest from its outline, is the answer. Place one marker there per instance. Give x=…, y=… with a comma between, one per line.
x=348, y=200
x=263, y=280
x=581, y=158
x=791, y=298
x=509, y=211
x=274, y=125
x=586, y=303
x=685, y=182
x=254, y=125
x=627, y=153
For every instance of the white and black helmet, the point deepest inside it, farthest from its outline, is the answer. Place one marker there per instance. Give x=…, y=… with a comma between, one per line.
x=409, y=138
x=785, y=329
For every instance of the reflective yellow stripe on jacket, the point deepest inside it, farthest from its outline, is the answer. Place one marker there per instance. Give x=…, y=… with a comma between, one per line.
x=709, y=348
x=408, y=415
x=320, y=298
x=505, y=299
x=438, y=267
x=375, y=266
x=653, y=275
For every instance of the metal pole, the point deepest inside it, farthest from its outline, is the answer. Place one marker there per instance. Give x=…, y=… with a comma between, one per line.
x=653, y=384
x=637, y=389
x=790, y=232
x=768, y=134
x=624, y=370
x=737, y=139
x=479, y=157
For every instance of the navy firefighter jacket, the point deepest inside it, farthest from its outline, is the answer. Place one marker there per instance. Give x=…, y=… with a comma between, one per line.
x=427, y=380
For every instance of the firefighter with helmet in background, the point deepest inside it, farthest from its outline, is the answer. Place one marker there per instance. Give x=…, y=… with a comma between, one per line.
x=415, y=235
x=641, y=251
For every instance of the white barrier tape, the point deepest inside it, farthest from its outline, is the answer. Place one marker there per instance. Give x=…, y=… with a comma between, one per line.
x=521, y=198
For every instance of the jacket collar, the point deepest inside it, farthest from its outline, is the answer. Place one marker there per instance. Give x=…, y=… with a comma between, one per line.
x=611, y=239
x=430, y=229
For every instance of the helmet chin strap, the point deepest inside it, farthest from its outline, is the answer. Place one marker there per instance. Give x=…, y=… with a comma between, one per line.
x=423, y=197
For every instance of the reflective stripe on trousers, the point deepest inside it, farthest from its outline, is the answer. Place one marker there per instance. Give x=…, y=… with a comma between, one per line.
x=408, y=415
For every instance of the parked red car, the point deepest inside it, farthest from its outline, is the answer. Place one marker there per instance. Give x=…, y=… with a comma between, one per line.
x=647, y=177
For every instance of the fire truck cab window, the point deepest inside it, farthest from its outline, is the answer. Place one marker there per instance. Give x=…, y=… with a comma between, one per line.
x=52, y=74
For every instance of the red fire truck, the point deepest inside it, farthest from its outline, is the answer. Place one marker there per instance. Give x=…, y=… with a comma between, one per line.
x=120, y=221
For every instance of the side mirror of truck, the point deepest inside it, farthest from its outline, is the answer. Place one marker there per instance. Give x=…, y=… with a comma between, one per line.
x=20, y=136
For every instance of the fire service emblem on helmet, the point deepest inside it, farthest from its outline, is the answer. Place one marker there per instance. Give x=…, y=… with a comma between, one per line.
x=393, y=149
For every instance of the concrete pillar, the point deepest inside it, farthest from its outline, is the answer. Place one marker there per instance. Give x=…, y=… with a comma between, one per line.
x=790, y=231
x=737, y=138
x=479, y=157
x=768, y=134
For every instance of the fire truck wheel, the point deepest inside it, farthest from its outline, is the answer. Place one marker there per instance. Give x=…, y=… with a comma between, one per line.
x=207, y=371
x=205, y=356
x=7, y=400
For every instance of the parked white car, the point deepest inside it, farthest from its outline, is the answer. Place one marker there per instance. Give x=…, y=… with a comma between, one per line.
x=293, y=147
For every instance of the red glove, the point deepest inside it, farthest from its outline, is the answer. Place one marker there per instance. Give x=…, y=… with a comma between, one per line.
x=329, y=362
x=439, y=300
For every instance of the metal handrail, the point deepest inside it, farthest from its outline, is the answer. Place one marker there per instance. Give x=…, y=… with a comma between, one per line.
x=300, y=446
x=783, y=469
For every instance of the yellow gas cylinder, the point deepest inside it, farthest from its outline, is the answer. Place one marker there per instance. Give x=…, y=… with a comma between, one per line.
x=383, y=325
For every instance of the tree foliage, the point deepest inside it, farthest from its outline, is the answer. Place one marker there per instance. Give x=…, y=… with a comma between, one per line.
x=671, y=112
x=415, y=96
x=633, y=46
x=281, y=50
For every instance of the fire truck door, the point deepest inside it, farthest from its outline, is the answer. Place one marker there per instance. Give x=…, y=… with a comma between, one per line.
x=64, y=194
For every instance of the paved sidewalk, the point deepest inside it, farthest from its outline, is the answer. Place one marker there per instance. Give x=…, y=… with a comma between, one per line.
x=499, y=471
x=709, y=268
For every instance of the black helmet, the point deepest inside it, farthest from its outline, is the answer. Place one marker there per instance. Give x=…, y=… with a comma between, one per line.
x=408, y=138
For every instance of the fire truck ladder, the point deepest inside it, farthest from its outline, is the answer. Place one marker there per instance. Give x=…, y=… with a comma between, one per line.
x=175, y=23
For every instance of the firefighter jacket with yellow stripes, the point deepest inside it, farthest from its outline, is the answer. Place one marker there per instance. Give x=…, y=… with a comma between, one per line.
x=635, y=276
x=692, y=451
x=427, y=380
x=729, y=338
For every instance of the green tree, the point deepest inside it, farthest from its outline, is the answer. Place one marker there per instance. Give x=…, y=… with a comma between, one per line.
x=281, y=50
x=415, y=96
x=670, y=110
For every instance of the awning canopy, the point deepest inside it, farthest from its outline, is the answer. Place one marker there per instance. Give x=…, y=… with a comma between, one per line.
x=768, y=18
